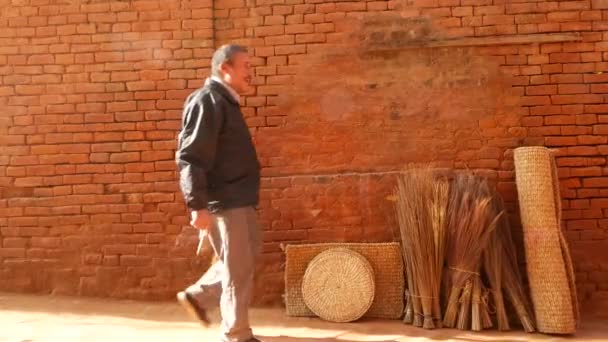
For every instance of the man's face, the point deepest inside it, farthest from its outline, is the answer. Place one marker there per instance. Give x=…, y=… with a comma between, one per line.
x=238, y=72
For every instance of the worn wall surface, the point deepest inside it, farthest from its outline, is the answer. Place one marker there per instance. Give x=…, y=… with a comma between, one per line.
x=346, y=94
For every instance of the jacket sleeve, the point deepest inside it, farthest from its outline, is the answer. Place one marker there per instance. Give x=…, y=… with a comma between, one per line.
x=195, y=155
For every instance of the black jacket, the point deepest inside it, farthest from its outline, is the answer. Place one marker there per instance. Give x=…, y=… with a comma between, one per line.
x=217, y=162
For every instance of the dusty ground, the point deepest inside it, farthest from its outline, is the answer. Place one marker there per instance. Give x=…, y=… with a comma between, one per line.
x=46, y=318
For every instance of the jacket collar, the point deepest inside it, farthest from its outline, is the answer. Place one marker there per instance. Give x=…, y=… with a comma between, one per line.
x=216, y=84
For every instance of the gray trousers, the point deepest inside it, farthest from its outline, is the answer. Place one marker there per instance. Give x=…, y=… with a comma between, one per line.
x=235, y=237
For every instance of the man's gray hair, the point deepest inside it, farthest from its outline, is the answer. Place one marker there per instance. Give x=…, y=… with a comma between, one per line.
x=224, y=54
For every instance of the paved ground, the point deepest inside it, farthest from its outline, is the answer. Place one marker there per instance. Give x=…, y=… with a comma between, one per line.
x=46, y=318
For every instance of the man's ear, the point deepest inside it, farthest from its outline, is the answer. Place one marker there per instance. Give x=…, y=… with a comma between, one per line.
x=224, y=67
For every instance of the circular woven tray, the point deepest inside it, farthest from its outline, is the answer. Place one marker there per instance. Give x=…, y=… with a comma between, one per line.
x=338, y=285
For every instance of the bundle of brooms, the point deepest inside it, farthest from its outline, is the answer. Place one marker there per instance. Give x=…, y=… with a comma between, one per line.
x=421, y=206
x=502, y=271
x=469, y=219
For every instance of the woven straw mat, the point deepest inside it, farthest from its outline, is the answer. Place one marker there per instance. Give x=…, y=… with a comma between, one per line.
x=549, y=265
x=338, y=285
x=386, y=261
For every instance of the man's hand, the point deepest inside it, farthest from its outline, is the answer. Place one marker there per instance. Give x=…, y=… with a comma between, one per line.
x=200, y=219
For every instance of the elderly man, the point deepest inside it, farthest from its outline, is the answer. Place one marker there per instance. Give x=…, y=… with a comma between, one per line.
x=220, y=181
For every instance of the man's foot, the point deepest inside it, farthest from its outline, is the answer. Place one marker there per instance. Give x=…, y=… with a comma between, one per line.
x=193, y=308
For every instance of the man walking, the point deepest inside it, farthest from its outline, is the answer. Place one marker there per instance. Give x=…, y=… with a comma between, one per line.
x=220, y=180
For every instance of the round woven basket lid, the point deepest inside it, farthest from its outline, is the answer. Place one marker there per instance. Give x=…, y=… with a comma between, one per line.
x=338, y=285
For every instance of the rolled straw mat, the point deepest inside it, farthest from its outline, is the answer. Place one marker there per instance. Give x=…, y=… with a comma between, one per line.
x=549, y=265
x=386, y=261
x=338, y=285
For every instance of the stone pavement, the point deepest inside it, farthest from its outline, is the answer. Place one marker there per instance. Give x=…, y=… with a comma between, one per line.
x=33, y=318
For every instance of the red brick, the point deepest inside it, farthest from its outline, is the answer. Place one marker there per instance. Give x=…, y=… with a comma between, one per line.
x=564, y=57
x=535, y=100
x=12, y=253
x=582, y=151
x=567, y=78
x=538, y=59
x=560, y=120
x=560, y=141
x=307, y=8
x=579, y=67
x=29, y=89
x=530, y=18
x=498, y=19
x=599, y=88
x=596, y=108
x=280, y=40
x=299, y=28
x=480, y=9
x=471, y=21
x=573, y=88
x=41, y=59
x=516, y=60
x=121, y=106
x=274, y=20
x=575, y=99
x=540, y=79
x=275, y=30
x=599, y=4
x=595, y=182
x=170, y=85
x=541, y=90
x=530, y=70
x=310, y=38
x=532, y=121
x=513, y=8
x=350, y=6
x=290, y=50
x=586, y=171
x=592, y=140
x=124, y=157
x=563, y=16
x=295, y=19
x=596, y=78
x=574, y=5
x=527, y=28
x=578, y=26
x=586, y=119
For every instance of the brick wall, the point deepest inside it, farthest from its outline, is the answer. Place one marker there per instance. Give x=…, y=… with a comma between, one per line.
x=347, y=92
x=91, y=99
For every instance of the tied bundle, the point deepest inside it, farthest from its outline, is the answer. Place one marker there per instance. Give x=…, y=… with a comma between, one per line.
x=422, y=201
x=471, y=221
x=502, y=271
